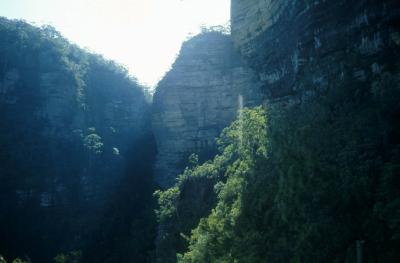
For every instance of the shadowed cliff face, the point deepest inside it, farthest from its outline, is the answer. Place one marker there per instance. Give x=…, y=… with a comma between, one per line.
x=292, y=44
x=197, y=99
x=70, y=122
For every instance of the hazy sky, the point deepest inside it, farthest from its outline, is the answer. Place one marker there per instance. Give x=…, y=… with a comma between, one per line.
x=143, y=35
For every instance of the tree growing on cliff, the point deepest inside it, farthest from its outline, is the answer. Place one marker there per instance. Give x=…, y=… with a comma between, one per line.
x=325, y=177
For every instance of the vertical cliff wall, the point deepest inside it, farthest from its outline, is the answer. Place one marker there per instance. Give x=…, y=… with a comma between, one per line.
x=197, y=99
x=325, y=175
x=70, y=121
x=294, y=45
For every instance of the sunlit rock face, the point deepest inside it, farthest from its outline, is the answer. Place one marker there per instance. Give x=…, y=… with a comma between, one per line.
x=297, y=44
x=197, y=99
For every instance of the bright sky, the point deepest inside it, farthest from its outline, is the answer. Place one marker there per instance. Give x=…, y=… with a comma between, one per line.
x=143, y=35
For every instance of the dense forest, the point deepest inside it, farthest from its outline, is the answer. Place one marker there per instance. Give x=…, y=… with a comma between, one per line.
x=305, y=167
x=325, y=177
x=75, y=152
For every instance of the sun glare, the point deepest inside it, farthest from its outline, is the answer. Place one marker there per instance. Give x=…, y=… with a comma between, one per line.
x=143, y=35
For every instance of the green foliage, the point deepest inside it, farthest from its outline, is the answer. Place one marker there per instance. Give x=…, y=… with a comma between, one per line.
x=71, y=257
x=193, y=160
x=244, y=145
x=240, y=149
x=92, y=142
x=167, y=203
x=221, y=29
x=17, y=260
x=324, y=177
x=20, y=261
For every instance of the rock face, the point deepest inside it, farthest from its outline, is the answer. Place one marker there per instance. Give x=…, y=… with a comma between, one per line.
x=103, y=126
x=199, y=97
x=70, y=121
x=292, y=44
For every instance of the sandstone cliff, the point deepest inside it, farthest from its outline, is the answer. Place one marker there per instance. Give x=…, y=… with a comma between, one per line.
x=197, y=99
x=294, y=45
x=329, y=72
x=71, y=124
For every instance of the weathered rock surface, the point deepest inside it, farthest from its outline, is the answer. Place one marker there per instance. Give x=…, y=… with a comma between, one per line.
x=116, y=116
x=292, y=44
x=197, y=99
x=71, y=126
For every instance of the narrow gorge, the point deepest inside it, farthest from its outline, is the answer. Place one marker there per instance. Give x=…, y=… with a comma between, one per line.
x=275, y=142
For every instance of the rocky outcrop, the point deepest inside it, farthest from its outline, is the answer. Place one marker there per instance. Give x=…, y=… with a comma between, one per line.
x=199, y=97
x=294, y=45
